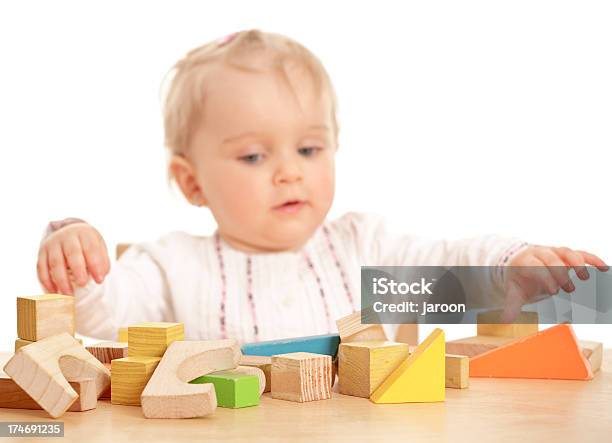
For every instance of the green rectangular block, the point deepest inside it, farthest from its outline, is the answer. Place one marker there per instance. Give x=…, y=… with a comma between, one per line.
x=233, y=390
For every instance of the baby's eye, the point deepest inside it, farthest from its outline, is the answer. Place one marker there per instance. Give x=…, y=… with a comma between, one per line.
x=308, y=151
x=251, y=158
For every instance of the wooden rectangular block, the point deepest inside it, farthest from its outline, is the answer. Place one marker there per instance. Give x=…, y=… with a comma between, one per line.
x=151, y=339
x=122, y=335
x=457, y=371
x=129, y=376
x=106, y=395
x=42, y=316
x=14, y=397
x=363, y=366
x=326, y=344
x=233, y=390
x=107, y=351
x=301, y=376
x=526, y=324
x=262, y=362
x=472, y=346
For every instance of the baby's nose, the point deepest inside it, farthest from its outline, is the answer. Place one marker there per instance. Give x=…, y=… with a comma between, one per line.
x=288, y=172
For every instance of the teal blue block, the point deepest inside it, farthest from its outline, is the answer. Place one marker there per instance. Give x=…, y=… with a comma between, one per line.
x=232, y=390
x=317, y=344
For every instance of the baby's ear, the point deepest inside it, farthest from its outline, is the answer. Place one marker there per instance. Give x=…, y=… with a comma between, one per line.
x=183, y=173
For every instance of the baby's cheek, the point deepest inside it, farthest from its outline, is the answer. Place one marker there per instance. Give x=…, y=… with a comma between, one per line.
x=325, y=182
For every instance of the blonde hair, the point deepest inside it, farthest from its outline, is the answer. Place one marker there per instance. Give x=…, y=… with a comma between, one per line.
x=184, y=100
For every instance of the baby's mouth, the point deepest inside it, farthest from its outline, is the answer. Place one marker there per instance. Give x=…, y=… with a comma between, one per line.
x=290, y=206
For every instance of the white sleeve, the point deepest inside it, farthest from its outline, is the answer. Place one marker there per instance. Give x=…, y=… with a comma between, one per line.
x=135, y=290
x=378, y=247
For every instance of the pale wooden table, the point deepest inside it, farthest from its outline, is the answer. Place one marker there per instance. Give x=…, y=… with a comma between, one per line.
x=489, y=410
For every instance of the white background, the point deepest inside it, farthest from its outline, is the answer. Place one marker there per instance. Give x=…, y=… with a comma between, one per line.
x=457, y=118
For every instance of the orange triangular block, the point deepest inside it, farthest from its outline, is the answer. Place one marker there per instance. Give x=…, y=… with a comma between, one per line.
x=552, y=354
x=419, y=378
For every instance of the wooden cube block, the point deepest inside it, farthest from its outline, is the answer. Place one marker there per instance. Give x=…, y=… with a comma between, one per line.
x=151, y=339
x=42, y=316
x=129, y=376
x=526, y=324
x=301, y=376
x=363, y=366
x=457, y=371
x=233, y=390
x=107, y=351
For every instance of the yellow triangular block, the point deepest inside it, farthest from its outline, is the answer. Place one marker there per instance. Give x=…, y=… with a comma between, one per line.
x=419, y=378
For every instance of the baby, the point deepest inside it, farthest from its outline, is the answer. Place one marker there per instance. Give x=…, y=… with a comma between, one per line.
x=250, y=123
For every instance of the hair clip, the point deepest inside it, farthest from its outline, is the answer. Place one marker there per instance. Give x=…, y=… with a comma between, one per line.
x=228, y=38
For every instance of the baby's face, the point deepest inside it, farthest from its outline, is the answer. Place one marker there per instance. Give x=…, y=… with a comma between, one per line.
x=264, y=158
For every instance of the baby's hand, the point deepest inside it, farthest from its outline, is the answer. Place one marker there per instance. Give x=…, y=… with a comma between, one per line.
x=68, y=255
x=542, y=270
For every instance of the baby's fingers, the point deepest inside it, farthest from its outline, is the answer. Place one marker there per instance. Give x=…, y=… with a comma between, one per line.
x=42, y=269
x=515, y=297
x=57, y=269
x=74, y=257
x=557, y=268
x=94, y=256
x=594, y=260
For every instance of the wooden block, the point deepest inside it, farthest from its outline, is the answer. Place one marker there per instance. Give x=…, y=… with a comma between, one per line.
x=363, y=366
x=419, y=378
x=20, y=343
x=301, y=376
x=106, y=395
x=526, y=324
x=351, y=329
x=553, y=353
x=87, y=395
x=169, y=393
x=251, y=370
x=122, y=335
x=408, y=333
x=44, y=315
x=472, y=346
x=107, y=351
x=457, y=371
x=129, y=376
x=593, y=351
x=316, y=344
x=14, y=397
x=120, y=249
x=151, y=339
x=261, y=362
x=36, y=369
x=233, y=390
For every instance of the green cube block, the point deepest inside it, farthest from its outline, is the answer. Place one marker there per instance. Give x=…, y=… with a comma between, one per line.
x=233, y=390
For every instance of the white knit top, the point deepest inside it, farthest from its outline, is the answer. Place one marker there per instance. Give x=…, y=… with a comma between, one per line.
x=220, y=292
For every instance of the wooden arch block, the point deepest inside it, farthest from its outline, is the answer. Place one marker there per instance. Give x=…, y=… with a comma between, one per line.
x=43, y=369
x=419, y=378
x=553, y=353
x=168, y=393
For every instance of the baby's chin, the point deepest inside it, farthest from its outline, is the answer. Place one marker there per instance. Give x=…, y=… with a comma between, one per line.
x=286, y=239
